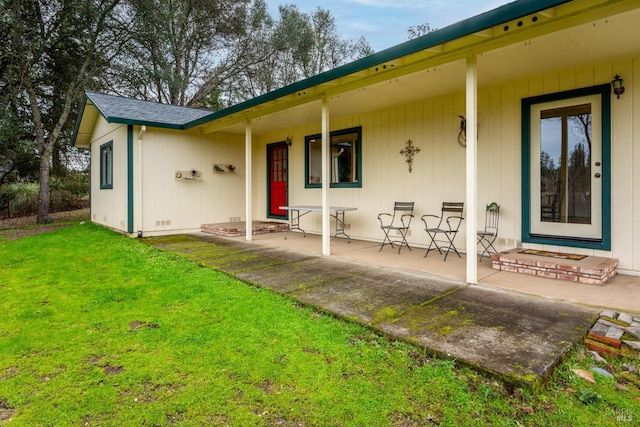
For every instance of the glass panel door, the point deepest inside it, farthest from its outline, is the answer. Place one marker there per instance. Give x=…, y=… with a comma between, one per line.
x=566, y=168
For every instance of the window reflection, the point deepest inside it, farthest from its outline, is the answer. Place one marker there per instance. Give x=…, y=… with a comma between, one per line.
x=344, y=152
x=565, y=164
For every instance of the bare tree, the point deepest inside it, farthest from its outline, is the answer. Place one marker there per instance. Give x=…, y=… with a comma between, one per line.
x=177, y=43
x=298, y=46
x=55, y=49
x=214, y=53
x=416, y=31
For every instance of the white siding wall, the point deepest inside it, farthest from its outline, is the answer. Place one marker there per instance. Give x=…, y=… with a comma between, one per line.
x=163, y=204
x=170, y=205
x=109, y=206
x=439, y=168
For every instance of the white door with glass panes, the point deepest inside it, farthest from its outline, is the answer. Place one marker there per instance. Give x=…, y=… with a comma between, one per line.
x=566, y=168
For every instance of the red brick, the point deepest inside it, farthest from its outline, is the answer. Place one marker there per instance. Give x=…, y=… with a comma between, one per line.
x=567, y=277
x=594, y=271
x=565, y=267
x=611, y=342
x=547, y=264
x=601, y=349
x=548, y=274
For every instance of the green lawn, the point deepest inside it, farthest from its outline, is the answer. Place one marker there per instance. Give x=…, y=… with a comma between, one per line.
x=100, y=329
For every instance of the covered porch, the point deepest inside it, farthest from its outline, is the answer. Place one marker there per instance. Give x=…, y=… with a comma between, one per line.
x=621, y=292
x=456, y=97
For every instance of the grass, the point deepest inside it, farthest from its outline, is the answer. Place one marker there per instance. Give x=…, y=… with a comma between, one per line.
x=99, y=329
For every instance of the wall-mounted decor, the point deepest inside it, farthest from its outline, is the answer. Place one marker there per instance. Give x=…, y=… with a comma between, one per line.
x=462, y=135
x=409, y=151
x=223, y=167
x=188, y=175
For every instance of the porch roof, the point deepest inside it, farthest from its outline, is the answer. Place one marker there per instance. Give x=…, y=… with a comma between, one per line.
x=502, y=31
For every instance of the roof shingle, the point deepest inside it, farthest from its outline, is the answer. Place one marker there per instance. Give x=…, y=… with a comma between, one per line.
x=117, y=109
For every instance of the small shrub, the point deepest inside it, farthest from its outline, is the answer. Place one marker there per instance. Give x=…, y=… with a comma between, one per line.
x=70, y=192
x=589, y=397
x=19, y=199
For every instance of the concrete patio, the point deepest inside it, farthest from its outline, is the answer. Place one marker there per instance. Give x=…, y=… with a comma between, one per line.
x=621, y=292
x=514, y=328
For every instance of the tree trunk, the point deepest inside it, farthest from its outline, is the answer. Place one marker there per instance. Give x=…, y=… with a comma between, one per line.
x=44, y=149
x=45, y=177
x=45, y=145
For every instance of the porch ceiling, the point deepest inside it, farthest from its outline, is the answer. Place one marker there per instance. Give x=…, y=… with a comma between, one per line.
x=578, y=38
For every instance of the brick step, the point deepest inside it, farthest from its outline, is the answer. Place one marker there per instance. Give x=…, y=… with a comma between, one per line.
x=235, y=229
x=591, y=270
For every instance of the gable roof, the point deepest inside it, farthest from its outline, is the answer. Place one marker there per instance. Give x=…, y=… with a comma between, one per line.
x=117, y=109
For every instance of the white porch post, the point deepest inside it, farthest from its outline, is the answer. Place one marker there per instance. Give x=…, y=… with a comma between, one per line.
x=248, y=196
x=471, y=166
x=326, y=218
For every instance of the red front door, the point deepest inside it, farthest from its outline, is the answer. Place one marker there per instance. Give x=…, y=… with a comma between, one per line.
x=277, y=190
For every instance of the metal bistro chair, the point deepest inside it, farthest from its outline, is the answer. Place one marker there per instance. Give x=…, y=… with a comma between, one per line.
x=489, y=235
x=444, y=233
x=399, y=221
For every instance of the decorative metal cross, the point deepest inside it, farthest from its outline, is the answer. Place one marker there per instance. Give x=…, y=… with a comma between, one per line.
x=409, y=151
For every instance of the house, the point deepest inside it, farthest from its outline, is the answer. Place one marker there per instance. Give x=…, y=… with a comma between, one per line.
x=514, y=106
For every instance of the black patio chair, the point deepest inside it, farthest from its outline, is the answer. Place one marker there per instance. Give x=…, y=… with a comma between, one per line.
x=489, y=235
x=399, y=221
x=442, y=229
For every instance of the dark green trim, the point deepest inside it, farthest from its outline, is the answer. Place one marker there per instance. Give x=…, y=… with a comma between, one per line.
x=605, y=244
x=133, y=122
x=306, y=160
x=269, y=146
x=104, y=186
x=500, y=15
x=130, y=179
x=358, y=130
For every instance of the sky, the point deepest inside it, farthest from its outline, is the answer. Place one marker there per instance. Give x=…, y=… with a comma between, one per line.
x=384, y=23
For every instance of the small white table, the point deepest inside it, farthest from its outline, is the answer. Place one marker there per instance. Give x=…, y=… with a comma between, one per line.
x=336, y=212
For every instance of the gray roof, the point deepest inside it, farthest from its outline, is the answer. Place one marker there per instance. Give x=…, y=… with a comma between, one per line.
x=117, y=109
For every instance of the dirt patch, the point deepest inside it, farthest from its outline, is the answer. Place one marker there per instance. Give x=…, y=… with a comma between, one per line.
x=113, y=370
x=139, y=324
x=17, y=228
x=6, y=413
